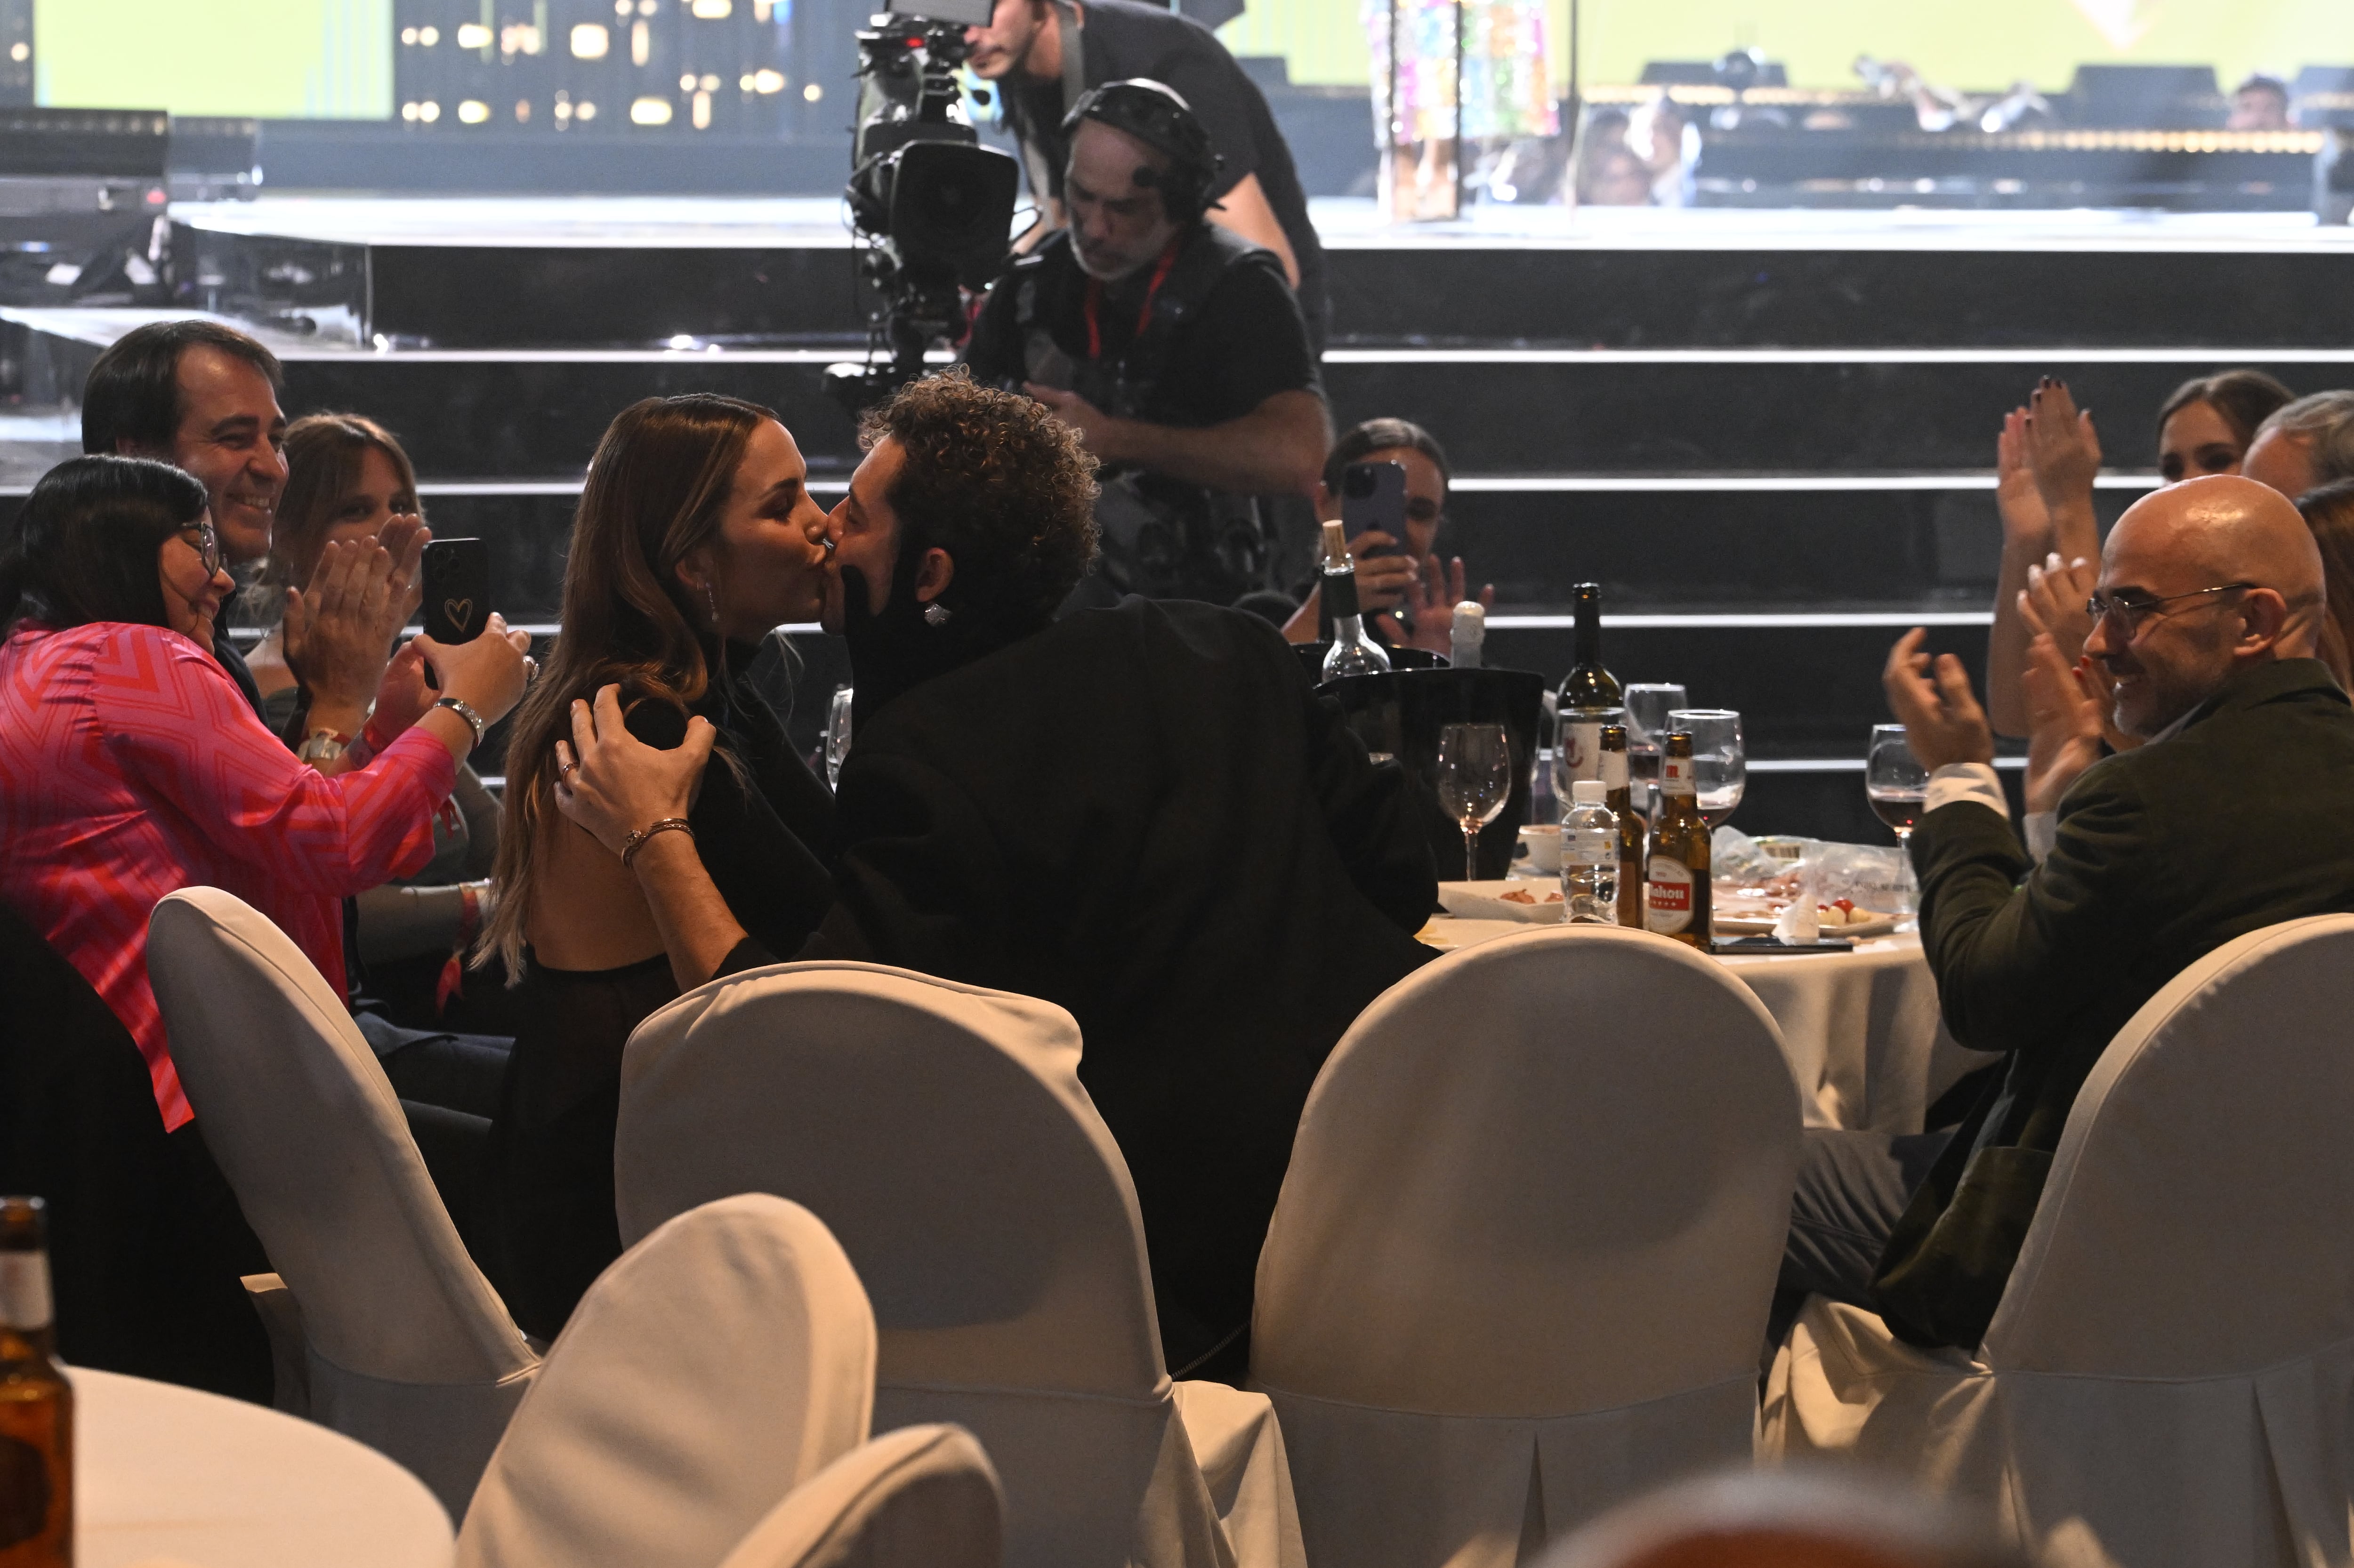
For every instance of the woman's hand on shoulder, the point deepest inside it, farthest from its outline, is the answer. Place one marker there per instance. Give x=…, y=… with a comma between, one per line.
x=611, y=783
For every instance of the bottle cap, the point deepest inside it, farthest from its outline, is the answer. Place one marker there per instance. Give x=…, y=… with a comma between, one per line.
x=1469, y=615
x=1589, y=793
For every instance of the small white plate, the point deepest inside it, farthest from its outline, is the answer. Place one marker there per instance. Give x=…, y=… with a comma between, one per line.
x=1449, y=934
x=1762, y=926
x=1484, y=901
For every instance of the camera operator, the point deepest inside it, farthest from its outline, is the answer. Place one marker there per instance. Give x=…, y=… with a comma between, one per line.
x=1172, y=346
x=1047, y=54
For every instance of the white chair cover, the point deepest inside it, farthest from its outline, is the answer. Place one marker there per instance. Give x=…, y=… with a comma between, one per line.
x=719, y=1364
x=941, y=1131
x=922, y=1497
x=2169, y=1378
x=410, y=1349
x=1524, y=1255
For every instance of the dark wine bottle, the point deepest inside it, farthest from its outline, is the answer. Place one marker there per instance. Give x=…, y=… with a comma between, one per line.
x=1590, y=696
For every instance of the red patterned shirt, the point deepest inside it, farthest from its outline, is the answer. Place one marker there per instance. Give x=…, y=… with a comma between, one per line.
x=131, y=766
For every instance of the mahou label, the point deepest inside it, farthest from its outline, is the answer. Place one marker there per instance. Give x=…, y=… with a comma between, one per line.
x=1671, y=909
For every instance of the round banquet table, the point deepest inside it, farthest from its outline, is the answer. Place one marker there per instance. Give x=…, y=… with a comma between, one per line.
x=171, y=1477
x=1861, y=1028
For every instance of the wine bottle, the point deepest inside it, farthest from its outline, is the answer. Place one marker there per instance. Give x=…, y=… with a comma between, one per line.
x=1679, y=883
x=1467, y=635
x=35, y=1400
x=1620, y=798
x=1351, y=653
x=1590, y=696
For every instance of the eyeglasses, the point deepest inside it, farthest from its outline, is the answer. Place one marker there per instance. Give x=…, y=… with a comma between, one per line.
x=2134, y=613
x=208, y=545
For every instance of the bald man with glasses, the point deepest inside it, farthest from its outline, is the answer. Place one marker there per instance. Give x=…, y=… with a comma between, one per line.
x=2236, y=811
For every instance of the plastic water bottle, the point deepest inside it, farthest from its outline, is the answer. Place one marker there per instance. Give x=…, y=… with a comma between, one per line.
x=1589, y=855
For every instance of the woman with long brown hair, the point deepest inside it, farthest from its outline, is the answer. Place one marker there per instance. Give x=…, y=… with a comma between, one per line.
x=2330, y=511
x=695, y=537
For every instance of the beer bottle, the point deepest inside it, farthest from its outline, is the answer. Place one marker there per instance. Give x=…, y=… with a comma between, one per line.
x=1589, y=697
x=1679, y=881
x=1631, y=827
x=35, y=1400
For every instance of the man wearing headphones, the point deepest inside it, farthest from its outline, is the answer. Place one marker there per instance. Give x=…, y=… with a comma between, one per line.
x=1045, y=55
x=1173, y=345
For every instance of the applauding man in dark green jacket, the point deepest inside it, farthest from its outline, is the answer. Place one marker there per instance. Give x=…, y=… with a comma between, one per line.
x=2236, y=811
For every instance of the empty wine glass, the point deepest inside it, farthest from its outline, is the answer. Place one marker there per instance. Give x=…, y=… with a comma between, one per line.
x=1475, y=780
x=1720, y=760
x=837, y=737
x=1648, y=703
x=1898, y=788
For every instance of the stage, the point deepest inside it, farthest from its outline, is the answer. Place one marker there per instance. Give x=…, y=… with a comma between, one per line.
x=1769, y=435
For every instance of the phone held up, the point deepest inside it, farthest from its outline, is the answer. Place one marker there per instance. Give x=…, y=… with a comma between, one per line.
x=457, y=593
x=1373, y=495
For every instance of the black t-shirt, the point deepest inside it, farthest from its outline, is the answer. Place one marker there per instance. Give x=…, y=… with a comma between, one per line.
x=1121, y=39
x=1245, y=344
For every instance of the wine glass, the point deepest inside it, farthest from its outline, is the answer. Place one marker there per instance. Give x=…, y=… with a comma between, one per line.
x=1897, y=786
x=1475, y=780
x=1648, y=703
x=1720, y=760
x=837, y=736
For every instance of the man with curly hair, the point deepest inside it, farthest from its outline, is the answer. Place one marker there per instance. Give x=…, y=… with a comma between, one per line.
x=1142, y=813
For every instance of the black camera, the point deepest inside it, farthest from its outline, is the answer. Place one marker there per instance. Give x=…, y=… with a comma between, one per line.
x=934, y=205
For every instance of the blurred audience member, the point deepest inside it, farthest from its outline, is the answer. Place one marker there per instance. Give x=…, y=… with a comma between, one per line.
x=696, y=535
x=1394, y=574
x=2304, y=444
x=2329, y=511
x=204, y=397
x=1606, y=171
x=131, y=768
x=2046, y=459
x=1663, y=135
x=1799, y=1517
x=2261, y=103
x=2211, y=596
x=1141, y=814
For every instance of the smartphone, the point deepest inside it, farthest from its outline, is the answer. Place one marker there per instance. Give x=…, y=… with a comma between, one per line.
x=1373, y=495
x=456, y=589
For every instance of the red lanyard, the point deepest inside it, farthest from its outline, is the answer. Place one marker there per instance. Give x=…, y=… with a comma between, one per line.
x=1143, y=315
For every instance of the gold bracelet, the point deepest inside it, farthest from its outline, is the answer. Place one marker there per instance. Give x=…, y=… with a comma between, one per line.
x=636, y=840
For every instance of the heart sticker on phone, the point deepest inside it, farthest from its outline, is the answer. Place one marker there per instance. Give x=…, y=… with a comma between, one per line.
x=458, y=610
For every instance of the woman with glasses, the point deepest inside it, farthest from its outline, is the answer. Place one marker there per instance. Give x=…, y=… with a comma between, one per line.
x=131, y=765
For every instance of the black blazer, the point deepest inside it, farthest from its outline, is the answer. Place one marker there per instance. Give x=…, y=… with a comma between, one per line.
x=1145, y=815
x=2241, y=819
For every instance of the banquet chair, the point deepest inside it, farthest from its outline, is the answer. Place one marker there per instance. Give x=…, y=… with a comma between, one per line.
x=2171, y=1365
x=722, y=1361
x=941, y=1132
x=922, y=1497
x=1524, y=1257
x=403, y=1343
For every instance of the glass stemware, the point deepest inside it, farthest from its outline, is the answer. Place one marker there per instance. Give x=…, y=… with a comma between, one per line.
x=1897, y=786
x=1475, y=780
x=1648, y=703
x=837, y=737
x=1720, y=760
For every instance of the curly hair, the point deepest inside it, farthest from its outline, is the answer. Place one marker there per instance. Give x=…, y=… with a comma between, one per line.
x=997, y=482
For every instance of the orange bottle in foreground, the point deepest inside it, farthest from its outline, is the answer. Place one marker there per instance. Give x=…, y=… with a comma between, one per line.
x=35, y=1400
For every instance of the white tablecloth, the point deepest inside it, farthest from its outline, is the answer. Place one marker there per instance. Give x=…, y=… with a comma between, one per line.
x=168, y=1476
x=1861, y=1028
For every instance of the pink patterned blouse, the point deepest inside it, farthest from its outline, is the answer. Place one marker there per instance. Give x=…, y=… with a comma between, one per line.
x=131, y=766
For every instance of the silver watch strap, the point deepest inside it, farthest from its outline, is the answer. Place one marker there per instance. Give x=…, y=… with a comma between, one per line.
x=465, y=709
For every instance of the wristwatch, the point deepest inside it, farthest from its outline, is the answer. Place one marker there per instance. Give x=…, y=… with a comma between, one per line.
x=323, y=746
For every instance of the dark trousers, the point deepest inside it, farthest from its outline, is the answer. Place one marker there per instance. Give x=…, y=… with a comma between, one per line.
x=449, y=1088
x=1852, y=1189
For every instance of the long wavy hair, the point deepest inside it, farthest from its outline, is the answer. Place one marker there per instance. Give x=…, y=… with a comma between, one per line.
x=655, y=492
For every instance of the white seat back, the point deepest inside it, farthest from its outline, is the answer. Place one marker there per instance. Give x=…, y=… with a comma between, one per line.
x=1524, y=1257
x=411, y=1351
x=2195, y=1219
x=941, y=1132
x=722, y=1361
x=922, y=1497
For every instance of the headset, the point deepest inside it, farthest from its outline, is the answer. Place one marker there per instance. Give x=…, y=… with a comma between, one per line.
x=1155, y=114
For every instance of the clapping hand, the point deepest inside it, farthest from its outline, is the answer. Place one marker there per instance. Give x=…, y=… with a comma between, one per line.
x=339, y=629
x=1932, y=699
x=611, y=783
x=2025, y=521
x=2063, y=447
x=1430, y=599
x=2064, y=707
x=2053, y=603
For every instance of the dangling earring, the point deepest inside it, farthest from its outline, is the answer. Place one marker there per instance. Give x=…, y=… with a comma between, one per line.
x=937, y=614
x=712, y=599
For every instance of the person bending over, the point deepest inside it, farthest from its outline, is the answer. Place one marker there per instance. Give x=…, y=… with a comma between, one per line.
x=1170, y=346
x=204, y=397
x=2046, y=460
x=1391, y=578
x=695, y=536
x=2211, y=596
x=1142, y=814
x=133, y=767
x=2304, y=444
